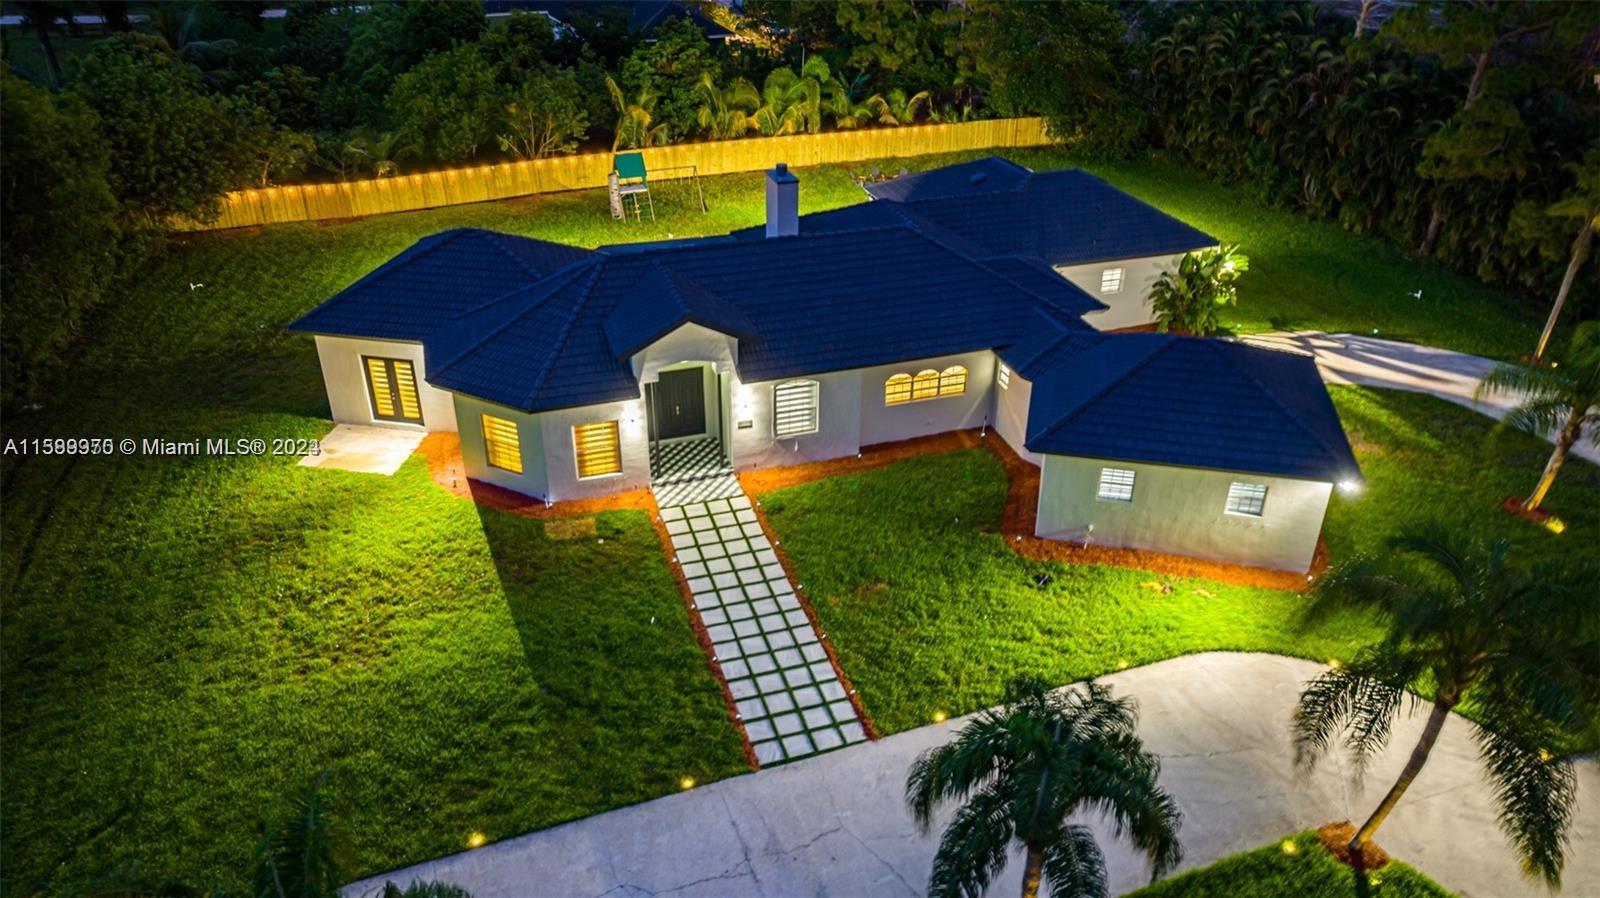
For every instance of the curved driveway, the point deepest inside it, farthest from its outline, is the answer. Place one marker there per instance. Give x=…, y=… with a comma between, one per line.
x=1374, y=362
x=835, y=824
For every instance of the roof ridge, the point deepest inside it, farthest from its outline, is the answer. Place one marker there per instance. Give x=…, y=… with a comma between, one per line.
x=561, y=337
x=1294, y=416
x=508, y=323
x=563, y=271
x=1062, y=333
x=1039, y=300
x=1095, y=396
x=498, y=239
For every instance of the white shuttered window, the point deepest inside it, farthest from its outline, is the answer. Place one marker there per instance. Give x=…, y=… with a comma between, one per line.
x=794, y=408
x=1116, y=485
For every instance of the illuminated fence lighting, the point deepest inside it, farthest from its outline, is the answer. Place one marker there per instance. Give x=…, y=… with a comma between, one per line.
x=476, y=840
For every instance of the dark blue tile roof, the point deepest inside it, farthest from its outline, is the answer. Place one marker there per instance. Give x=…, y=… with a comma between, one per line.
x=1192, y=402
x=662, y=301
x=812, y=303
x=980, y=177
x=436, y=279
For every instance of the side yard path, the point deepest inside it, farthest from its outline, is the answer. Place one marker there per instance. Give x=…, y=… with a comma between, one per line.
x=837, y=825
x=789, y=694
x=1395, y=365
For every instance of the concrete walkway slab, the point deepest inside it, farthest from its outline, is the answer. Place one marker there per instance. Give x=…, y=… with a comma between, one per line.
x=836, y=824
x=1394, y=365
x=365, y=449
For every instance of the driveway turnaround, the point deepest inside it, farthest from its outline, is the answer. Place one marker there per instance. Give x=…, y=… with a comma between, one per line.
x=836, y=824
x=1371, y=362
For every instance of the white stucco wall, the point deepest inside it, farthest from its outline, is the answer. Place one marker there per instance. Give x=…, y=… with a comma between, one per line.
x=688, y=343
x=346, y=382
x=887, y=423
x=1011, y=414
x=838, y=423
x=561, y=459
x=1130, y=306
x=1181, y=511
x=530, y=437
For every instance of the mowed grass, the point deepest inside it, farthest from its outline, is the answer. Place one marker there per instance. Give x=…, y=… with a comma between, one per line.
x=1310, y=872
x=183, y=642
x=930, y=611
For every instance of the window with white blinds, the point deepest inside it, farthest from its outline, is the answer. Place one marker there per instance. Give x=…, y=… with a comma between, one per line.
x=1111, y=280
x=1247, y=499
x=794, y=408
x=502, y=447
x=1116, y=485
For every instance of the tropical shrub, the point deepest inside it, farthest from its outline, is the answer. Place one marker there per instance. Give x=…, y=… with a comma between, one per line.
x=1187, y=300
x=545, y=115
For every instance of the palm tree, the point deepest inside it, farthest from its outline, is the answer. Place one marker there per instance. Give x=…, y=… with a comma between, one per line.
x=792, y=103
x=1564, y=397
x=295, y=858
x=1021, y=770
x=1525, y=643
x=842, y=101
x=634, y=118
x=895, y=108
x=379, y=152
x=1187, y=301
x=726, y=114
x=1583, y=204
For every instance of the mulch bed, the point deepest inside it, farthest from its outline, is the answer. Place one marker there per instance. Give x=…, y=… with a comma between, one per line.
x=1335, y=837
x=1513, y=505
x=443, y=452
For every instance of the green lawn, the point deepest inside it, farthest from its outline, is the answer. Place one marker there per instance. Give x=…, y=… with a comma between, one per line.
x=1310, y=872
x=184, y=641
x=930, y=611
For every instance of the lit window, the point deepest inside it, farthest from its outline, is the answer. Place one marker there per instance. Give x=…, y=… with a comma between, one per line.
x=897, y=389
x=598, y=450
x=794, y=408
x=392, y=386
x=1116, y=485
x=1004, y=377
x=926, y=385
x=1247, y=498
x=501, y=445
x=953, y=381
x=1111, y=280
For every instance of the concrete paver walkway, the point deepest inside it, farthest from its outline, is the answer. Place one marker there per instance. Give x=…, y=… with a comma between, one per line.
x=786, y=691
x=1373, y=362
x=836, y=824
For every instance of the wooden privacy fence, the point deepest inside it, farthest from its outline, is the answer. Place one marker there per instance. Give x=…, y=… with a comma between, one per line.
x=425, y=190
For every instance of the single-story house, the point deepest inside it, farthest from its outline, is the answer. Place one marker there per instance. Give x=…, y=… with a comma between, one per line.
x=573, y=373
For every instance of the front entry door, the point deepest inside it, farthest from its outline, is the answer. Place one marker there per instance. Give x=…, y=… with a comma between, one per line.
x=678, y=406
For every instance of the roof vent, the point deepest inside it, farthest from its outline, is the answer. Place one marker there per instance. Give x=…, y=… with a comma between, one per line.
x=978, y=178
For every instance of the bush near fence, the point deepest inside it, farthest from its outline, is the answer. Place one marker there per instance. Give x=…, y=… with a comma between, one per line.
x=426, y=190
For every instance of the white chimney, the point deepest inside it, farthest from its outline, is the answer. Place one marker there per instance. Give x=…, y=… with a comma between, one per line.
x=783, y=202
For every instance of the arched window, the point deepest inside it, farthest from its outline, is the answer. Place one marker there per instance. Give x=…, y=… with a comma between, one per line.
x=926, y=385
x=953, y=381
x=897, y=389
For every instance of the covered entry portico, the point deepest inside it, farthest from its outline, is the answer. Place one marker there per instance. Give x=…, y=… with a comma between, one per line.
x=687, y=414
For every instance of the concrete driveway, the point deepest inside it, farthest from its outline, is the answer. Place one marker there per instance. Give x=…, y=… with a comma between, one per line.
x=835, y=824
x=1372, y=362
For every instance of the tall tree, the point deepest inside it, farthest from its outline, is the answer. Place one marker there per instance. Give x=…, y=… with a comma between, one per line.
x=1486, y=137
x=545, y=114
x=1563, y=397
x=1462, y=623
x=1021, y=771
x=62, y=241
x=448, y=105
x=172, y=144
x=1581, y=204
x=725, y=112
x=1069, y=62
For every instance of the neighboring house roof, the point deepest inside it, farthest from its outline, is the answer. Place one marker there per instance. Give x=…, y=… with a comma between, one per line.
x=801, y=305
x=436, y=279
x=1193, y=402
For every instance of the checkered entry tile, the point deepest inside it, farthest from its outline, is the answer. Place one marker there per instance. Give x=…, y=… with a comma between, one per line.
x=687, y=460
x=787, y=694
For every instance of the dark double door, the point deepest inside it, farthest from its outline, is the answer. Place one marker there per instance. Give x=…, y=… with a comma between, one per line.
x=677, y=404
